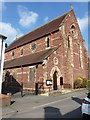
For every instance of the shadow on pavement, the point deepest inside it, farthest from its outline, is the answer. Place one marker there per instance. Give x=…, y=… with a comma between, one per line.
x=12, y=102
x=54, y=113
x=78, y=100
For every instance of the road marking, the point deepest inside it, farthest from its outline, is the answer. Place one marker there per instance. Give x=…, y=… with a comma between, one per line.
x=22, y=111
x=55, y=101
x=50, y=103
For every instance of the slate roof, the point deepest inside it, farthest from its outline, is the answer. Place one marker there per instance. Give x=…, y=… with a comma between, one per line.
x=32, y=59
x=38, y=32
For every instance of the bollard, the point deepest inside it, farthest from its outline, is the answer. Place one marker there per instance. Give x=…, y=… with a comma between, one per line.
x=21, y=89
x=36, y=88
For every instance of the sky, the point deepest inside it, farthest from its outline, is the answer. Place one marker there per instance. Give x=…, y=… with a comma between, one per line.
x=19, y=18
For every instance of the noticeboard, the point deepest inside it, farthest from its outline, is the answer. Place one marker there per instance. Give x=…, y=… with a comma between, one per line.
x=48, y=82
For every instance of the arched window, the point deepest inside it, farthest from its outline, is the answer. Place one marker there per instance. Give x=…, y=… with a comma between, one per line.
x=33, y=46
x=12, y=53
x=73, y=30
x=69, y=41
x=48, y=42
x=21, y=51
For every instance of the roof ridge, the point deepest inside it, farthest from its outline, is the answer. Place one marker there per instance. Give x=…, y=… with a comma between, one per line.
x=49, y=22
x=42, y=26
x=39, y=32
x=65, y=17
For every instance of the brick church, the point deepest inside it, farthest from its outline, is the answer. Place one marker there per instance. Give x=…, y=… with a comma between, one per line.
x=52, y=55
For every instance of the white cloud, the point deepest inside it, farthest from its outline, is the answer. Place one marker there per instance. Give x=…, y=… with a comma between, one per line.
x=46, y=19
x=9, y=31
x=2, y=9
x=89, y=20
x=83, y=22
x=27, y=18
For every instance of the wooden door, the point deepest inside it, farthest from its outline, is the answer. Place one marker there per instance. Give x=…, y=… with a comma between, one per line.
x=55, y=80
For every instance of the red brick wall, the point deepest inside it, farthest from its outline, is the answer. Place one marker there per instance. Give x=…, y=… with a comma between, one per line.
x=68, y=59
x=40, y=45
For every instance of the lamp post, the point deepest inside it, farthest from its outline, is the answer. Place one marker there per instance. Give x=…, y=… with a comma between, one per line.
x=2, y=50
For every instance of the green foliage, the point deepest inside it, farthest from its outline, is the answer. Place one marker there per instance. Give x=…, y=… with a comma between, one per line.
x=88, y=84
x=80, y=82
x=76, y=83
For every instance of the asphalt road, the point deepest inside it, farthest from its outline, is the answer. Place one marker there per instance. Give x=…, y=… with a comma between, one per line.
x=58, y=106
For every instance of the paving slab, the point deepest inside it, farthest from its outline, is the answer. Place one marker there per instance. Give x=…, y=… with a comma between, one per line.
x=27, y=102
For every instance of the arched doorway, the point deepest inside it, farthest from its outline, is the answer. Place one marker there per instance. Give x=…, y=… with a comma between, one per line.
x=55, y=80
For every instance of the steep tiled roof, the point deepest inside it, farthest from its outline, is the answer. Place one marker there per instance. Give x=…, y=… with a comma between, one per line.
x=32, y=59
x=37, y=33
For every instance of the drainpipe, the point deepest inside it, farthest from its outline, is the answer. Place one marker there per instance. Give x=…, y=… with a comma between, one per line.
x=2, y=50
x=22, y=83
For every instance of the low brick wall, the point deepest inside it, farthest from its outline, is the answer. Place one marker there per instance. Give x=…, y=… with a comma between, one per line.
x=5, y=100
x=63, y=91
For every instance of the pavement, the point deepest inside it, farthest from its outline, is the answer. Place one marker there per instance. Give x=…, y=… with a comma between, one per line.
x=23, y=104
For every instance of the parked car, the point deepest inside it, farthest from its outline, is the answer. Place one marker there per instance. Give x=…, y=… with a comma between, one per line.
x=86, y=107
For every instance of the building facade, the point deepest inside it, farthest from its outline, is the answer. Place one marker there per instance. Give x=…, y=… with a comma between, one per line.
x=2, y=50
x=52, y=55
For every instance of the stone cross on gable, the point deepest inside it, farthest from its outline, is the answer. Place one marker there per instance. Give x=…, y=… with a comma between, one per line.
x=71, y=7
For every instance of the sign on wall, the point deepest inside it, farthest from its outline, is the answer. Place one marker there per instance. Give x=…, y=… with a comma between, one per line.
x=48, y=82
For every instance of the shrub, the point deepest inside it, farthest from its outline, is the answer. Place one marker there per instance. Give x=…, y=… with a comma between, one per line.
x=77, y=83
x=88, y=84
x=85, y=82
x=80, y=82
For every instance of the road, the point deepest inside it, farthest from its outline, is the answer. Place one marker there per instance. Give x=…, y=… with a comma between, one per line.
x=58, y=106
